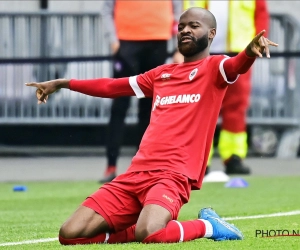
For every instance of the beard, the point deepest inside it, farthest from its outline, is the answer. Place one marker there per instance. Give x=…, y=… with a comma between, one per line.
x=195, y=47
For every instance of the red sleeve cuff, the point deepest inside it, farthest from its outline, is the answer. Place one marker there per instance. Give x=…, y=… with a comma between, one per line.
x=238, y=64
x=70, y=84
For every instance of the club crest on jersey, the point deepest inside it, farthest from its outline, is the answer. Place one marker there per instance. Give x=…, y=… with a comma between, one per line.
x=193, y=73
x=165, y=76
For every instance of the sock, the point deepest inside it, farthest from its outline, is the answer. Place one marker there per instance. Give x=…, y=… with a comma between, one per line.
x=176, y=231
x=127, y=235
x=208, y=229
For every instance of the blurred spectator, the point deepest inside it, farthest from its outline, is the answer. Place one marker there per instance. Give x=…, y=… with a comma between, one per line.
x=138, y=33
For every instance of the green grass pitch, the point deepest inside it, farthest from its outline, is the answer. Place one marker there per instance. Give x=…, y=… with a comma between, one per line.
x=39, y=212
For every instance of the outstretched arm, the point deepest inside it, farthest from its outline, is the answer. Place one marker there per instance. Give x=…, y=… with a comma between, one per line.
x=102, y=87
x=242, y=62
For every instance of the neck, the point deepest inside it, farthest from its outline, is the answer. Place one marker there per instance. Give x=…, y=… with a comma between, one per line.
x=197, y=57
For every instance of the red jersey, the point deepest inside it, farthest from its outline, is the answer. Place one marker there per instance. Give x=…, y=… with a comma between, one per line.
x=187, y=99
x=186, y=102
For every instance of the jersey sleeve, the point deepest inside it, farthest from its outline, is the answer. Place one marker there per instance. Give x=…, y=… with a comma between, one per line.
x=231, y=67
x=228, y=77
x=103, y=87
x=142, y=84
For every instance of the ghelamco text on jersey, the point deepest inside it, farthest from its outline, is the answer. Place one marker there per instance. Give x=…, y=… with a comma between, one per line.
x=185, y=98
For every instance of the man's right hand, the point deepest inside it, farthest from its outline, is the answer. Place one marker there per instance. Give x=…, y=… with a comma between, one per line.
x=115, y=47
x=44, y=89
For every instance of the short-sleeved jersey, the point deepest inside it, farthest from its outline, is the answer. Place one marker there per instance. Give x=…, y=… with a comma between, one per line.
x=187, y=99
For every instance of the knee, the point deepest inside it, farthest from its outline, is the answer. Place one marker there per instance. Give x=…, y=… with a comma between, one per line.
x=66, y=233
x=142, y=232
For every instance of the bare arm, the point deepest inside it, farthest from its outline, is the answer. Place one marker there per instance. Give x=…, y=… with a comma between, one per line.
x=107, y=14
x=101, y=87
x=44, y=89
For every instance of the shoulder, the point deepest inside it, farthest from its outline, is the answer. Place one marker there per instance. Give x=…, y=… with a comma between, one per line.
x=160, y=72
x=166, y=66
x=217, y=58
x=163, y=68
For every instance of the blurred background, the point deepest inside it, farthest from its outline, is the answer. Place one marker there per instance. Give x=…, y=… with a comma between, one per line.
x=47, y=39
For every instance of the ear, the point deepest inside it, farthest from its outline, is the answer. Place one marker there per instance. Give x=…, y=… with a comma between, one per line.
x=212, y=33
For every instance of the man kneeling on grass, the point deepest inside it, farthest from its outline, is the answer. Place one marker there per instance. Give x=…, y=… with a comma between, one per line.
x=143, y=203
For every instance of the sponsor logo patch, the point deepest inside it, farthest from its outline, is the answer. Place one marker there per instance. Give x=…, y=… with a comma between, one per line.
x=165, y=76
x=166, y=100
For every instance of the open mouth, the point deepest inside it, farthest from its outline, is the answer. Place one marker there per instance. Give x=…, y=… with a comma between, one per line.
x=186, y=39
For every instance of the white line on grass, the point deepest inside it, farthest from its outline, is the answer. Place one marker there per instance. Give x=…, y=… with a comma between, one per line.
x=226, y=218
x=263, y=215
x=28, y=242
